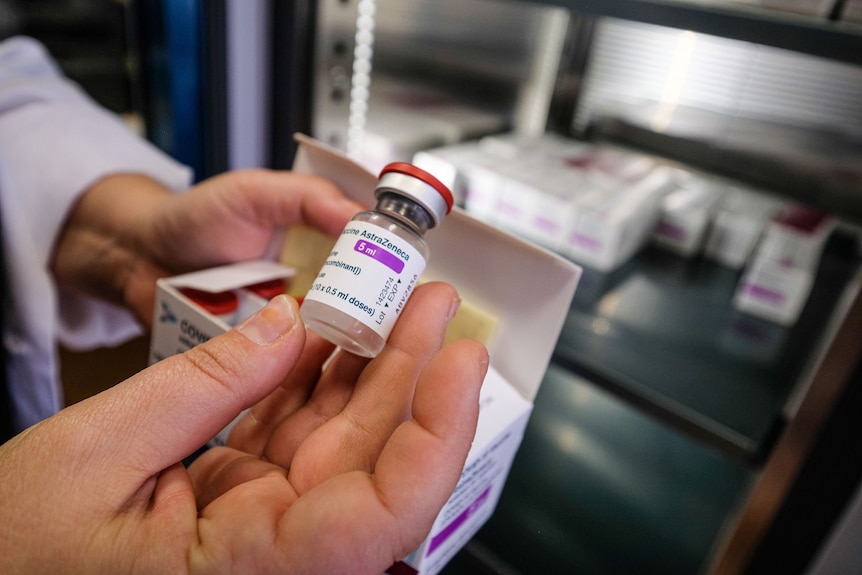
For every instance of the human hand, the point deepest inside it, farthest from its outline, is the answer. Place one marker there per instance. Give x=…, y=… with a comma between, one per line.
x=339, y=471
x=127, y=230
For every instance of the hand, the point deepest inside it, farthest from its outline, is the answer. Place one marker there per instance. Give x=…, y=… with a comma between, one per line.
x=335, y=471
x=127, y=230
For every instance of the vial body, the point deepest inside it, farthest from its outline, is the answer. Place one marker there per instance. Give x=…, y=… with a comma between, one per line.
x=366, y=281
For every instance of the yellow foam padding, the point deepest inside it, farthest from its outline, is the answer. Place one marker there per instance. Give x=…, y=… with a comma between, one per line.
x=305, y=249
x=471, y=322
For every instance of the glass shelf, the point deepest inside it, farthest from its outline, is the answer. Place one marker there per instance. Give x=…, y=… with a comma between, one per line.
x=813, y=35
x=661, y=332
x=825, y=174
x=600, y=487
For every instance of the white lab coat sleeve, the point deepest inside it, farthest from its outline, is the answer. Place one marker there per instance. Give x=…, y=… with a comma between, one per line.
x=54, y=143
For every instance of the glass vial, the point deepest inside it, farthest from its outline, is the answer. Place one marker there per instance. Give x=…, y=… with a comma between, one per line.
x=376, y=262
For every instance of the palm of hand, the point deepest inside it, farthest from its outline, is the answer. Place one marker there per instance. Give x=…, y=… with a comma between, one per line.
x=346, y=457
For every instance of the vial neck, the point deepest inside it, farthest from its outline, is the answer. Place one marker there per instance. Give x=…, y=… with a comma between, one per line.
x=405, y=210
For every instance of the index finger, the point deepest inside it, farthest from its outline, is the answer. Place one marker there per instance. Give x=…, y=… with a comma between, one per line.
x=290, y=198
x=426, y=454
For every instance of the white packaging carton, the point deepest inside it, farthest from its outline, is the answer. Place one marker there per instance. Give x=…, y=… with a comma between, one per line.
x=484, y=184
x=512, y=146
x=777, y=282
x=405, y=118
x=738, y=225
x=390, y=136
x=527, y=289
x=553, y=209
x=608, y=228
x=179, y=324
x=482, y=480
x=686, y=215
x=596, y=204
x=449, y=165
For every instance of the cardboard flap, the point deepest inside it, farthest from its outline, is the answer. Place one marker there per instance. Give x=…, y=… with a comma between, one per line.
x=527, y=288
x=220, y=279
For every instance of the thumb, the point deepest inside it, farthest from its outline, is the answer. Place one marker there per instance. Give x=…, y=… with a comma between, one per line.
x=167, y=411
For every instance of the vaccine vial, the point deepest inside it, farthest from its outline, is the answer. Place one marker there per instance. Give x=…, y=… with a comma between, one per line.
x=374, y=266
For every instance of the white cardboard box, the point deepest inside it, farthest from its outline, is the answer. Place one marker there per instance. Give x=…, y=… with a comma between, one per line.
x=686, y=215
x=609, y=229
x=596, y=204
x=738, y=224
x=405, y=118
x=179, y=324
x=503, y=415
x=778, y=280
x=526, y=288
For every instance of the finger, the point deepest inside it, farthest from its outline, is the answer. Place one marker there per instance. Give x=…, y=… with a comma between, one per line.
x=332, y=393
x=427, y=453
x=383, y=394
x=220, y=469
x=255, y=429
x=385, y=391
x=167, y=411
x=254, y=204
x=386, y=515
x=291, y=198
x=383, y=516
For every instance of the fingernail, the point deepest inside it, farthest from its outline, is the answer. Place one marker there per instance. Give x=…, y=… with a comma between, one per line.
x=453, y=307
x=267, y=325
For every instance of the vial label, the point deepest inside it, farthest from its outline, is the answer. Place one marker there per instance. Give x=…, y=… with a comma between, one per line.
x=369, y=275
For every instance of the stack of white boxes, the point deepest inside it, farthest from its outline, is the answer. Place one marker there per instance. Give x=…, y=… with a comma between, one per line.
x=599, y=205
x=595, y=204
x=687, y=214
x=738, y=224
x=405, y=118
x=778, y=280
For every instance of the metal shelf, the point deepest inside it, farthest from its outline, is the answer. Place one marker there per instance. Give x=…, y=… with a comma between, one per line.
x=808, y=34
x=662, y=334
x=600, y=487
x=826, y=182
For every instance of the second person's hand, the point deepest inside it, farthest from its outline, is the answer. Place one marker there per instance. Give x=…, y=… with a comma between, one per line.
x=339, y=469
x=128, y=230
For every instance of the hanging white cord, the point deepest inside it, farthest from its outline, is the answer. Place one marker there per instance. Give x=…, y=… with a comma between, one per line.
x=360, y=82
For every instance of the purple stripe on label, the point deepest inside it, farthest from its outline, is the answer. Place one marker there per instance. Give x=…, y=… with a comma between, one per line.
x=508, y=209
x=671, y=231
x=585, y=241
x=546, y=225
x=764, y=293
x=375, y=252
x=447, y=531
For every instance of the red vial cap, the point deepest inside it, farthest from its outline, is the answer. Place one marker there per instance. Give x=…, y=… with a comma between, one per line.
x=269, y=289
x=422, y=175
x=219, y=303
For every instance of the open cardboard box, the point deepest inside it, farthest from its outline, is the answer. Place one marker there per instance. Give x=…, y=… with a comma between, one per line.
x=525, y=289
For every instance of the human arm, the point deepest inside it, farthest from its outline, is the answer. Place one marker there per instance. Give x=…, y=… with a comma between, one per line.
x=127, y=229
x=55, y=143
x=360, y=489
